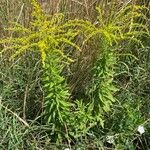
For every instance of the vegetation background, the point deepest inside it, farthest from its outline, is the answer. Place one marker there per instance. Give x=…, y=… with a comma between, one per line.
x=27, y=119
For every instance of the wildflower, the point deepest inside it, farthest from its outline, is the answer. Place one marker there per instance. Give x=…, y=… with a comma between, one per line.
x=110, y=139
x=67, y=149
x=141, y=129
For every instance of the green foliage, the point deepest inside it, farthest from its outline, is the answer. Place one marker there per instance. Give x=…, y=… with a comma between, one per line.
x=102, y=89
x=11, y=133
x=81, y=119
x=56, y=104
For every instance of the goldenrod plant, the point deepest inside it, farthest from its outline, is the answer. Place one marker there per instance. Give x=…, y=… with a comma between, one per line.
x=49, y=36
x=122, y=26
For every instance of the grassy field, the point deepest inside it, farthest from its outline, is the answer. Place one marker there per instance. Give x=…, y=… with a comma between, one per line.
x=75, y=74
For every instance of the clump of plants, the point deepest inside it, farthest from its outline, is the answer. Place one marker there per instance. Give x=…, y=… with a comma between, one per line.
x=51, y=36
